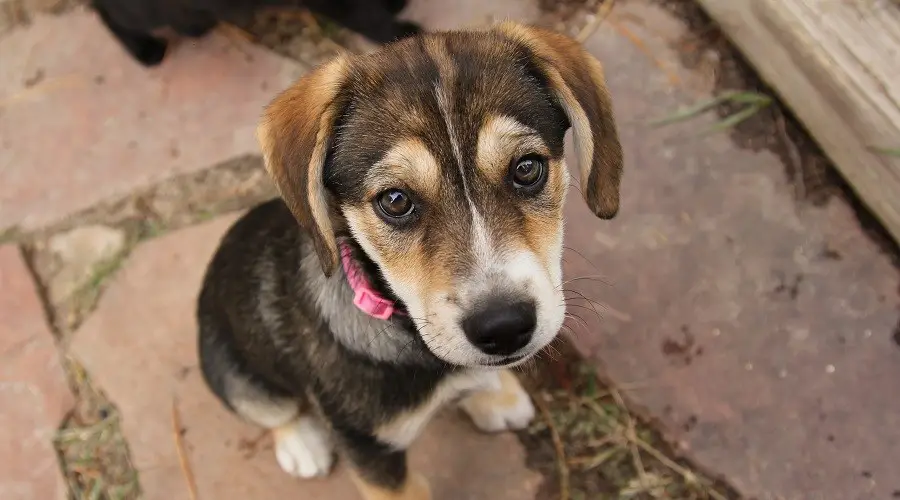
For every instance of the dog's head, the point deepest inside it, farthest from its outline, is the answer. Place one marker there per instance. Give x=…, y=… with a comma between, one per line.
x=442, y=157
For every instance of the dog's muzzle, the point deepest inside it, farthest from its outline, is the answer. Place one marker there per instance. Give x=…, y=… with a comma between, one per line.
x=501, y=328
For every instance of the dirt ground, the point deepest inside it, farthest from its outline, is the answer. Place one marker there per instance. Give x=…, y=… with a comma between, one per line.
x=774, y=128
x=587, y=443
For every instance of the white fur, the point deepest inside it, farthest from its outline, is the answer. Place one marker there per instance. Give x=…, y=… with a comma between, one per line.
x=258, y=406
x=304, y=449
x=498, y=418
x=438, y=319
x=405, y=428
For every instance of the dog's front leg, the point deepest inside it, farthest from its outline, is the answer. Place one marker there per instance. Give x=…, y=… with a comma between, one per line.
x=503, y=406
x=380, y=471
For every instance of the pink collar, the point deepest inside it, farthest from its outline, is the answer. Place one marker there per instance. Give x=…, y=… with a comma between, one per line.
x=365, y=297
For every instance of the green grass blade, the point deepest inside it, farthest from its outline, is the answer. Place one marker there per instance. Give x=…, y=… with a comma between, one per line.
x=887, y=151
x=691, y=111
x=96, y=490
x=734, y=119
x=754, y=98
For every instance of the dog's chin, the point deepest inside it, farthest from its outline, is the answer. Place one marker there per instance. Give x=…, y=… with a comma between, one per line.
x=470, y=357
x=509, y=361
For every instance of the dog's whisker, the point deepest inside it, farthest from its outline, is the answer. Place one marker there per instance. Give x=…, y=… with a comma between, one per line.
x=579, y=319
x=550, y=351
x=581, y=296
x=606, y=307
x=571, y=330
x=598, y=278
x=377, y=335
x=589, y=309
x=402, y=349
x=576, y=252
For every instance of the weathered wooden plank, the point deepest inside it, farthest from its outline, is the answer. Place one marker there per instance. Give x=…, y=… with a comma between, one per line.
x=836, y=64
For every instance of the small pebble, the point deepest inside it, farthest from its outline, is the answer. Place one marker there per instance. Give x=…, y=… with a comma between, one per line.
x=782, y=373
x=829, y=369
x=867, y=333
x=716, y=332
x=749, y=367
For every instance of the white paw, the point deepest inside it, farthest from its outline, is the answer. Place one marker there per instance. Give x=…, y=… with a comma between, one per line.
x=303, y=448
x=494, y=411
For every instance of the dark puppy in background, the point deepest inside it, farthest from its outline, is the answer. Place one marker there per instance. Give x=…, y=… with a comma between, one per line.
x=428, y=179
x=133, y=22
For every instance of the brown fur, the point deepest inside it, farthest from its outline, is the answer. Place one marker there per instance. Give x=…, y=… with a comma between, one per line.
x=415, y=488
x=294, y=136
x=579, y=80
x=446, y=118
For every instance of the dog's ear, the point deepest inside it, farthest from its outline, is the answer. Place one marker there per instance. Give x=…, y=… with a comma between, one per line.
x=295, y=135
x=576, y=79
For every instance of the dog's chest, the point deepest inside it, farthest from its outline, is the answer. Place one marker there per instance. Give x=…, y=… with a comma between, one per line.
x=403, y=429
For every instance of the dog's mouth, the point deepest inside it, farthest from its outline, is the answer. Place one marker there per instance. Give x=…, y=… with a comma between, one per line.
x=507, y=361
x=371, y=293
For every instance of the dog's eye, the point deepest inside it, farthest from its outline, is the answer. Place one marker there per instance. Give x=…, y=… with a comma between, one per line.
x=395, y=203
x=528, y=172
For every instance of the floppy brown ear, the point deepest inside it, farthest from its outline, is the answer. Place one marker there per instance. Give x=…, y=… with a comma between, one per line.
x=576, y=78
x=295, y=134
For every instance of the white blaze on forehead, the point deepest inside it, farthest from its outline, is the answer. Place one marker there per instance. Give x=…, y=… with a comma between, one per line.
x=482, y=246
x=443, y=101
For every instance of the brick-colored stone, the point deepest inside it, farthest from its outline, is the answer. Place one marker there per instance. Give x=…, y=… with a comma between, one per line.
x=139, y=345
x=758, y=330
x=82, y=122
x=34, y=397
x=438, y=15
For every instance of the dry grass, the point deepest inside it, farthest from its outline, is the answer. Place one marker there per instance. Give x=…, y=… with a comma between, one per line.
x=95, y=457
x=596, y=447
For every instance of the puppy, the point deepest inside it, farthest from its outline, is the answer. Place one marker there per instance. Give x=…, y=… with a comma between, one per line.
x=133, y=22
x=428, y=180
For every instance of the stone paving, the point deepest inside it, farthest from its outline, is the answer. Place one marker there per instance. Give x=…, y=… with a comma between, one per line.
x=34, y=396
x=761, y=334
x=146, y=323
x=203, y=106
x=757, y=332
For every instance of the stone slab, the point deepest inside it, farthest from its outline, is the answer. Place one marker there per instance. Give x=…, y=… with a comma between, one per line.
x=81, y=122
x=758, y=332
x=440, y=15
x=139, y=345
x=34, y=396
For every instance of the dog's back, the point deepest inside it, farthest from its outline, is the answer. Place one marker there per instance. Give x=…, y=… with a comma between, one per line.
x=243, y=305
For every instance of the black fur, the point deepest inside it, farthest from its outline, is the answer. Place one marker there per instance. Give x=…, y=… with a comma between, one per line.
x=300, y=360
x=272, y=320
x=133, y=22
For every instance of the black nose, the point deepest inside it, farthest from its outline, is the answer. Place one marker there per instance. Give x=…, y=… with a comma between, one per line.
x=501, y=328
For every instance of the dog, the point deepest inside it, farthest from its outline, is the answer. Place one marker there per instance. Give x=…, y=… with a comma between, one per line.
x=133, y=22
x=414, y=255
